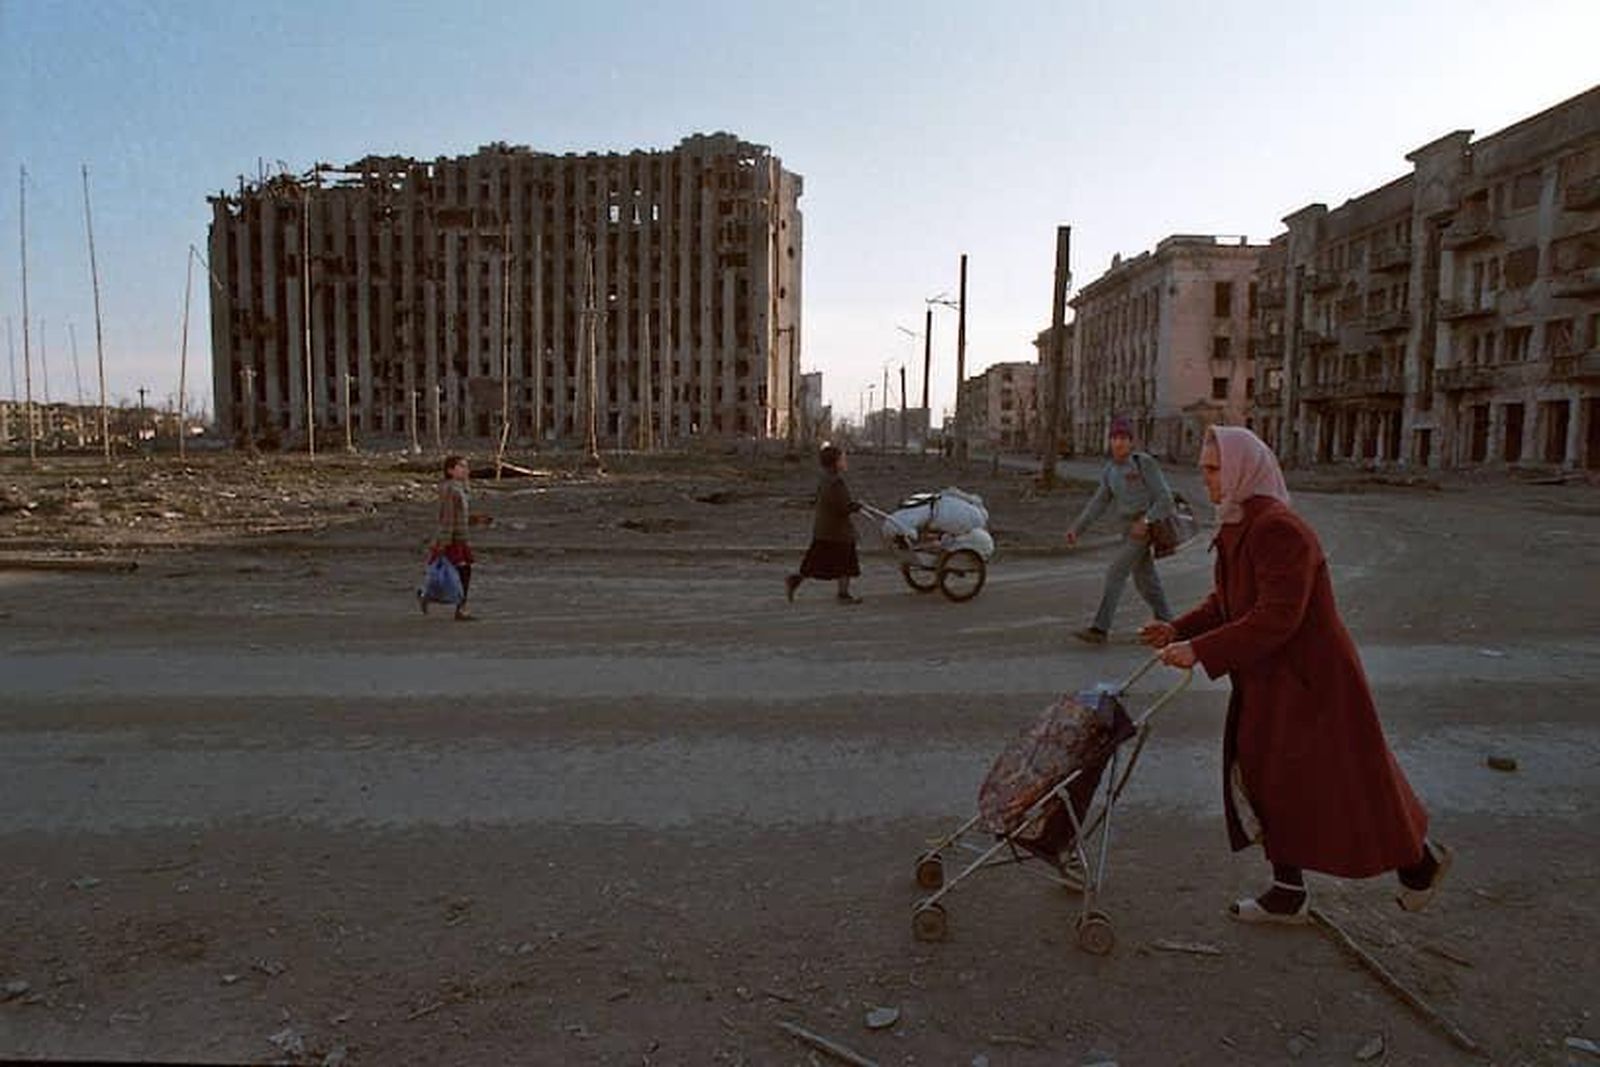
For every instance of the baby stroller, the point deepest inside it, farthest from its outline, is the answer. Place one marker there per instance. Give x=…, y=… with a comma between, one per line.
x=940, y=541
x=1051, y=793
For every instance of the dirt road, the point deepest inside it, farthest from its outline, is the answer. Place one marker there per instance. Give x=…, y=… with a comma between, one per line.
x=255, y=806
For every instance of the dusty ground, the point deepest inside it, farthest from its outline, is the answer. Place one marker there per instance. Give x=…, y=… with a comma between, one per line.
x=255, y=807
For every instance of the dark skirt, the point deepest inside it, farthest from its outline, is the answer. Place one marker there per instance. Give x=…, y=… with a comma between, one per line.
x=831, y=559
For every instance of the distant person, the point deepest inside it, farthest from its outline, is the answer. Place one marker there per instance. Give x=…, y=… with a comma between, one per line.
x=450, y=540
x=1134, y=489
x=1306, y=769
x=833, y=536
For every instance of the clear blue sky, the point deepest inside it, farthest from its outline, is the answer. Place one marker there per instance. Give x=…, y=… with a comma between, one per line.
x=922, y=129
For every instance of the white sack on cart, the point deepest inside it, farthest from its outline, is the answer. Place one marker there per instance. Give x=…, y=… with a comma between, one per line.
x=907, y=522
x=956, y=512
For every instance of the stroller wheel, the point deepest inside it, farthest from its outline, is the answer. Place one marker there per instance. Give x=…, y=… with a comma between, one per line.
x=962, y=574
x=930, y=871
x=928, y=923
x=1096, y=935
x=922, y=579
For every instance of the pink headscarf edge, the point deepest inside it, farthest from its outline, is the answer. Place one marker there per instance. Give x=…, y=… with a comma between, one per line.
x=1249, y=469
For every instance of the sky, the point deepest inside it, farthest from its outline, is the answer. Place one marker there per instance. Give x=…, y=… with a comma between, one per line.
x=923, y=130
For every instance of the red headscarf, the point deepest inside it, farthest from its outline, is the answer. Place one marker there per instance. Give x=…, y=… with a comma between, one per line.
x=1248, y=469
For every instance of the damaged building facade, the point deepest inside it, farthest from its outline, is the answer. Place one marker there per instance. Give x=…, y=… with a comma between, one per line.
x=1450, y=318
x=442, y=294
x=1165, y=339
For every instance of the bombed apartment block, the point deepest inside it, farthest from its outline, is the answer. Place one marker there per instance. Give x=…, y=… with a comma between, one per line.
x=502, y=293
x=1165, y=338
x=1450, y=318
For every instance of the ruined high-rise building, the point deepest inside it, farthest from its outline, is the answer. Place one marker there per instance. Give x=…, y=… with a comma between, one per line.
x=442, y=293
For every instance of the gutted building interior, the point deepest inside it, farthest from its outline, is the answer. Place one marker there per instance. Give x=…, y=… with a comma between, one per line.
x=457, y=298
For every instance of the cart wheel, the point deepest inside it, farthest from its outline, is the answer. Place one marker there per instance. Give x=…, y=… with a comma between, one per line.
x=930, y=871
x=962, y=574
x=928, y=923
x=1096, y=935
x=922, y=579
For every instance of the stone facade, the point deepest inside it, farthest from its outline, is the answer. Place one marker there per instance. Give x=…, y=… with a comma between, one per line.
x=1450, y=318
x=1166, y=339
x=441, y=291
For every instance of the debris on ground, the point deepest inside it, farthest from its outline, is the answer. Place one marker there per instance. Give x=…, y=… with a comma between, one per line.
x=882, y=1018
x=1193, y=948
x=1501, y=763
x=839, y=1052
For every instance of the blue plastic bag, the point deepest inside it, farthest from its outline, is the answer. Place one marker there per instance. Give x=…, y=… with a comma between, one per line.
x=441, y=582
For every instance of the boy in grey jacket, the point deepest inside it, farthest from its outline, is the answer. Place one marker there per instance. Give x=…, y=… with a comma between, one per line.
x=1133, y=488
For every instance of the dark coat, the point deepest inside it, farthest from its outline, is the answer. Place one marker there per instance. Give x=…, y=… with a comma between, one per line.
x=833, y=510
x=1301, y=721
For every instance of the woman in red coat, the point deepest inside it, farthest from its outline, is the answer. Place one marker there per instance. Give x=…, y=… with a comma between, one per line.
x=1306, y=769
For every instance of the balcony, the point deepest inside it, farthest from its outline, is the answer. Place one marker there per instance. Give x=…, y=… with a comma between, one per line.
x=1384, y=385
x=1320, y=281
x=1270, y=299
x=1395, y=257
x=1576, y=367
x=1470, y=229
x=1456, y=310
x=1317, y=338
x=1467, y=376
x=1582, y=196
x=1268, y=399
x=1395, y=320
x=1269, y=348
x=1583, y=282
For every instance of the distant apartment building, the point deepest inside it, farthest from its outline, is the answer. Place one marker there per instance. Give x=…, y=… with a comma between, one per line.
x=433, y=296
x=816, y=418
x=1449, y=318
x=1165, y=338
x=1000, y=407
x=54, y=426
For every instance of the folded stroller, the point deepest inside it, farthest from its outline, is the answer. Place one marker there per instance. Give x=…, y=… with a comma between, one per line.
x=1050, y=796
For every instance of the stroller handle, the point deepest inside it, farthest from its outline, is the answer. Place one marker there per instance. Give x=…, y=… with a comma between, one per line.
x=1144, y=668
x=884, y=516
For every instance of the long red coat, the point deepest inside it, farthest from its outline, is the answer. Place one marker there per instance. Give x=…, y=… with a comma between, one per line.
x=1301, y=722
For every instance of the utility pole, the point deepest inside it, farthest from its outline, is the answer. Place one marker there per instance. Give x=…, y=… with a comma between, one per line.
x=883, y=424
x=438, y=432
x=505, y=348
x=249, y=375
x=349, y=418
x=961, y=364
x=902, y=407
x=793, y=377
x=1058, y=331
x=99, y=337
x=44, y=370
x=11, y=358
x=305, y=313
x=27, y=358
x=183, y=355
x=591, y=316
x=927, y=354
x=77, y=372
